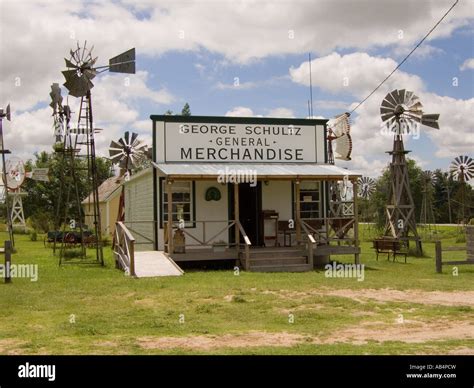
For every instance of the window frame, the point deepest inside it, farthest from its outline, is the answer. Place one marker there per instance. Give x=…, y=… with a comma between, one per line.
x=188, y=224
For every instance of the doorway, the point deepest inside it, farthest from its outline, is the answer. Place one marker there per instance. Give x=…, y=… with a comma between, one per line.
x=250, y=207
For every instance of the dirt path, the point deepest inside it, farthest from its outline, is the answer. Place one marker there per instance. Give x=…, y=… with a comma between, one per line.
x=443, y=298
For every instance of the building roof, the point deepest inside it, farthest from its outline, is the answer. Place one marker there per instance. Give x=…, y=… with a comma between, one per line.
x=107, y=189
x=260, y=170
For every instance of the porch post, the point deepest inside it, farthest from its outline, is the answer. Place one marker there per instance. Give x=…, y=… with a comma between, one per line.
x=169, y=185
x=236, y=216
x=298, y=211
x=356, y=219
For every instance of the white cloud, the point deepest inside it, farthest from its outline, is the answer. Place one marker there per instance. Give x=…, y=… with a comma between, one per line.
x=467, y=64
x=354, y=74
x=240, y=111
x=423, y=52
x=281, y=112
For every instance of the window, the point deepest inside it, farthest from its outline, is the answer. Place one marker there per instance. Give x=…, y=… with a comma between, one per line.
x=310, y=200
x=183, y=204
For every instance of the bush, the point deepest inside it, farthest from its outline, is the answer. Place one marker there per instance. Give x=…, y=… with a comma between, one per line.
x=41, y=221
x=34, y=236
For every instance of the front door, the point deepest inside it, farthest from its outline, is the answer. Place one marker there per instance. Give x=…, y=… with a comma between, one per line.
x=250, y=206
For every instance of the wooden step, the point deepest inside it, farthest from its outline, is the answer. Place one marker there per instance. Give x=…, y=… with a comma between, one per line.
x=282, y=268
x=256, y=253
x=268, y=260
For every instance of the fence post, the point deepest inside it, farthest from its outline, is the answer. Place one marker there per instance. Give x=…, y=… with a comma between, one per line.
x=438, y=257
x=8, y=260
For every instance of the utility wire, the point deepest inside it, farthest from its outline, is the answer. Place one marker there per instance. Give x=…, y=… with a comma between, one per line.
x=404, y=59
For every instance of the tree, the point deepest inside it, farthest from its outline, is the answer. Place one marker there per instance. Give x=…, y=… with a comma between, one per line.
x=186, y=111
x=40, y=205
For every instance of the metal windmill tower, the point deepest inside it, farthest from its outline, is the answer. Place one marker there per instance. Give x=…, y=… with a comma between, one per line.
x=401, y=111
x=6, y=114
x=68, y=206
x=462, y=170
x=15, y=172
x=427, y=217
x=81, y=70
x=127, y=152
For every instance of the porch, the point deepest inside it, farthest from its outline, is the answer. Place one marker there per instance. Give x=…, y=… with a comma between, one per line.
x=295, y=244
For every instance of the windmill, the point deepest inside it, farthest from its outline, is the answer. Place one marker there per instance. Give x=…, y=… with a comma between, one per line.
x=81, y=70
x=366, y=188
x=127, y=152
x=15, y=173
x=6, y=114
x=428, y=180
x=15, y=177
x=462, y=170
x=401, y=111
x=68, y=205
x=339, y=138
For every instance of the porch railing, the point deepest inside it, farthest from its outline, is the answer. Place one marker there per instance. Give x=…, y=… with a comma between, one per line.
x=124, y=248
x=203, y=239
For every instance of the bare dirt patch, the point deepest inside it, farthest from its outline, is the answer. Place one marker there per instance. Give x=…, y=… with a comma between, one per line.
x=201, y=342
x=11, y=346
x=444, y=298
x=409, y=332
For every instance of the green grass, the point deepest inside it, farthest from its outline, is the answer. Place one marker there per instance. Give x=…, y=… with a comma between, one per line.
x=113, y=313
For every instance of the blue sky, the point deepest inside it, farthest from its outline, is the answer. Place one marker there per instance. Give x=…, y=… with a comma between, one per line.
x=191, y=51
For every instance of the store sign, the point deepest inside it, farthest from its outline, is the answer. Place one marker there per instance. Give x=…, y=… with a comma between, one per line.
x=253, y=143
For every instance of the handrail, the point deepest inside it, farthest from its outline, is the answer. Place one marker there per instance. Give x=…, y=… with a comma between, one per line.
x=124, y=248
x=203, y=241
x=247, y=245
x=311, y=243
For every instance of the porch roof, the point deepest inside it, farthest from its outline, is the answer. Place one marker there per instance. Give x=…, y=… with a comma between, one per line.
x=262, y=170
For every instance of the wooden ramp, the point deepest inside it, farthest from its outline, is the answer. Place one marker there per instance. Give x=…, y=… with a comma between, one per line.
x=155, y=263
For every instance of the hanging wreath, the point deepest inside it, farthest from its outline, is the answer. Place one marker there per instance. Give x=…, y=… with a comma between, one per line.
x=213, y=194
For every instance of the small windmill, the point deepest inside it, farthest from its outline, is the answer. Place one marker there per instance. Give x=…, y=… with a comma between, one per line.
x=401, y=111
x=15, y=172
x=339, y=138
x=428, y=180
x=366, y=188
x=6, y=114
x=127, y=153
x=81, y=70
x=462, y=170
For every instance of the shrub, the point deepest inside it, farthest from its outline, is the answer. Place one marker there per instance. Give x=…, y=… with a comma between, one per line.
x=41, y=221
x=34, y=236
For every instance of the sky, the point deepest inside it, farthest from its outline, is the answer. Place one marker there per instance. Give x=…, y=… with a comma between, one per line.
x=245, y=58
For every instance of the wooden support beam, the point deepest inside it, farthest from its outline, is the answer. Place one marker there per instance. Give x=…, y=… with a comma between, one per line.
x=169, y=186
x=298, y=211
x=236, y=215
x=438, y=257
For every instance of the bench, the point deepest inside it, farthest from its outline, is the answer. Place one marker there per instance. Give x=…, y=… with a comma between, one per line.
x=390, y=246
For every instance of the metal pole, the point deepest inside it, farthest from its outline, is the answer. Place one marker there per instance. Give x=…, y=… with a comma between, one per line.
x=8, y=261
x=4, y=171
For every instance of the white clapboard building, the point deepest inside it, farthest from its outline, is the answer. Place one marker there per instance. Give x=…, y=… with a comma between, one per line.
x=256, y=190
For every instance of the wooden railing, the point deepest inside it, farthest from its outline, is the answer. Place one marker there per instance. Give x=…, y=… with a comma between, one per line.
x=204, y=241
x=247, y=244
x=124, y=248
x=311, y=242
